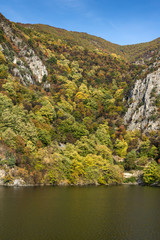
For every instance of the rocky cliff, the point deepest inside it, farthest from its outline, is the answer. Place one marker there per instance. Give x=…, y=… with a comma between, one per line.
x=28, y=67
x=143, y=103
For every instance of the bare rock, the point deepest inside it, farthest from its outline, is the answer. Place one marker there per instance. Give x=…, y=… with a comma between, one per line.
x=29, y=63
x=142, y=112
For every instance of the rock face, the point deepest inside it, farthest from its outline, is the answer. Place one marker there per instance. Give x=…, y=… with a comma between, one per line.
x=142, y=110
x=137, y=174
x=2, y=175
x=29, y=65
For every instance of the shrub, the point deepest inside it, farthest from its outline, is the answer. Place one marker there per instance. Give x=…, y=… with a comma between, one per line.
x=8, y=179
x=130, y=180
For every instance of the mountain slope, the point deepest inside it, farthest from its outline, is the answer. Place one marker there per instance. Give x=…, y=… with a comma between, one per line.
x=131, y=53
x=62, y=107
x=82, y=39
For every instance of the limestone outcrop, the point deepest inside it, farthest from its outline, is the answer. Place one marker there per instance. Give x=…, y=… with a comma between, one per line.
x=28, y=66
x=142, y=103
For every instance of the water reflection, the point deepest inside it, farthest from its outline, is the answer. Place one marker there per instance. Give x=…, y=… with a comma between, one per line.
x=80, y=213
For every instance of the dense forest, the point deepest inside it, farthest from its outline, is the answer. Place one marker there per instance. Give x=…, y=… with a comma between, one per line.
x=66, y=125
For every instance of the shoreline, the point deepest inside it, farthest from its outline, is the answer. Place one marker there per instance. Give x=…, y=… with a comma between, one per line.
x=69, y=185
x=78, y=185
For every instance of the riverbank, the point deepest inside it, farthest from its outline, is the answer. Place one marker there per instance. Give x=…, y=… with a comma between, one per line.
x=19, y=182
x=9, y=177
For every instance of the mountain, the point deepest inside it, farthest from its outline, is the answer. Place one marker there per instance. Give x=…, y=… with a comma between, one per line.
x=75, y=108
x=131, y=53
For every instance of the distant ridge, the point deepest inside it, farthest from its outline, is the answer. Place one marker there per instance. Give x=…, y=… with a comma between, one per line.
x=130, y=52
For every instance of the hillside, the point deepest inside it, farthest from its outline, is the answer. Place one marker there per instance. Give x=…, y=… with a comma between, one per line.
x=82, y=39
x=63, y=98
x=131, y=53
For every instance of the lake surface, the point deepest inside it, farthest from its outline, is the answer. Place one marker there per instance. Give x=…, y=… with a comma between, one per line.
x=80, y=213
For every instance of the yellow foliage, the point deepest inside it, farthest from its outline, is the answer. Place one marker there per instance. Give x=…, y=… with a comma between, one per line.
x=101, y=73
x=116, y=56
x=121, y=147
x=104, y=151
x=68, y=69
x=118, y=93
x=60, y=113
x=83, y=88
x=81, y=96
x=2, y=58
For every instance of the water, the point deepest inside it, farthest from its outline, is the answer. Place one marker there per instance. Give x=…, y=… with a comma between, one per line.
x=80, y=213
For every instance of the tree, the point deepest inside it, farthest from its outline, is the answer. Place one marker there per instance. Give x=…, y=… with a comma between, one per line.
x=3, y=71
x=145, y=147
x=5, y=103
x=130, y=160
x=151, y=173
x=121, y=147
x=52, y=60
x=102, y=134
x=44, y=136
x=2, y=58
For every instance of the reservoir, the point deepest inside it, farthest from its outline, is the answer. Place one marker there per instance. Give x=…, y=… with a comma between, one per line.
x=80, y=213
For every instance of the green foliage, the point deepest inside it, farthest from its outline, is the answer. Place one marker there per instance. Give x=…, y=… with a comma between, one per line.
x=130, y=180
x=44, y=136
x=102, y=134
x=70, y=132
x=94, y=169
x=47, y=112
x=5, y=103
x=52, y=60
x=86, y=145
x=151, y=173
x=142, y=161
x=16, y=119
x=121, y=147
x=9, y=137
x=2, y=57
x=1, y=36
x=8, y=179
x=144, y=148
x=130, y=160
x=9, y=87
x=44, y=79
x=30, y=42
x=70, y=126
x=3, y=71
x=10, y=159
x=153, y=153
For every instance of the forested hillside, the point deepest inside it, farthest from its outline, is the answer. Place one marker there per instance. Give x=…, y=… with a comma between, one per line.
x=131, y=53
x=63, y=97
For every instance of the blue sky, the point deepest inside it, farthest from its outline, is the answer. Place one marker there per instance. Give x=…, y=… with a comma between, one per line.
x=118, y=21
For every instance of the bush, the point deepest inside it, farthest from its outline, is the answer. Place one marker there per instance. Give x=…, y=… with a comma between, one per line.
x=52, y=60
x=8, y=179
x=10, y=159
x=142, y=161
x=130, y=180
